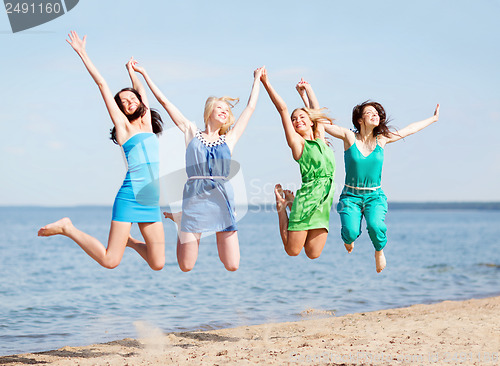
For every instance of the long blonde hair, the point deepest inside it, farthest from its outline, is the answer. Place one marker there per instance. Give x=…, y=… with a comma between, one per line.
x=316, y=116
x=209, y=107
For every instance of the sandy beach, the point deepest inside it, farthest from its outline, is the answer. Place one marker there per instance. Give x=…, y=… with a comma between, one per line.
x=446, y=333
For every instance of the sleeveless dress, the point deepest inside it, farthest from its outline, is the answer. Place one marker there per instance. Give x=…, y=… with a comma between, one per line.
x=313, y=201
x=362, y=196
x=208, y=198
x=363, y=171
x=138, y=199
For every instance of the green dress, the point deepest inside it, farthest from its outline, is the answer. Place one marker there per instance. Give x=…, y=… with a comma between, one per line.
x=313, y=201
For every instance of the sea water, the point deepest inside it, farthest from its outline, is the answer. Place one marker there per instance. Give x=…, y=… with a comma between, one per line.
x=53, y=295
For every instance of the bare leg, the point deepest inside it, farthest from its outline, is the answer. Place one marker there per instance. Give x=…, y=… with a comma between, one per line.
x=289, y=197
x=229, y=249
x=153, y=251
x=380, y=260
x=187, y=250
x=292, y=240
x=139, y=246
x=282, y=216
x=315, y=242
x=108, y=257
x=295, y=243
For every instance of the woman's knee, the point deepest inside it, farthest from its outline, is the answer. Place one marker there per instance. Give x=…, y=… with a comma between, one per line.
x=111, y=263
x=231, y=267
x=313, y=253
x=186, y=266
x=377, y=228
x=377, y=233
x=230, y=260
x=349, y=234
x=157, y=264
x=186, y=262
x=292, y=251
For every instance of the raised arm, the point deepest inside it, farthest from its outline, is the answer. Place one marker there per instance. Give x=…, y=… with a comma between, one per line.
x=306, y=92
x=414, y=127
x=137, y=85
x=180, y=121
x=311, y=101
x=293, y=139
x=118, y=118
x=308, y=96
x=241, y=123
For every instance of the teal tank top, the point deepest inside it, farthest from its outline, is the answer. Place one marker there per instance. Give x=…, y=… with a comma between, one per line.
x=363, y=171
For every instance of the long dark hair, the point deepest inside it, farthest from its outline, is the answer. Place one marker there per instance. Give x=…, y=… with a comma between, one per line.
x=156, y=121
x=382, y=128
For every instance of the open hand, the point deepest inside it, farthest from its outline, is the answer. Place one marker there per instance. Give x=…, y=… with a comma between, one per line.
x=77, y=43
x=130, y=63
x=258, y=72
x=301, y=86
x=133, y=64
x=263, y=75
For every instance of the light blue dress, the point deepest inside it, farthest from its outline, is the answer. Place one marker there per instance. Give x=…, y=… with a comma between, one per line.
x=208, y=198
x=138, y=199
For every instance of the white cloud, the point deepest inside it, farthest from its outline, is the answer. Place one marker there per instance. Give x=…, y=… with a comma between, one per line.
x=15, y=150
x=56, y=145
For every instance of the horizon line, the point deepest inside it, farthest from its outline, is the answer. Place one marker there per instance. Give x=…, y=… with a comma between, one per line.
x=394, y=204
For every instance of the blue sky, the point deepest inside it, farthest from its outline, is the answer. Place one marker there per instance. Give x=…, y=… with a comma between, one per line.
x=408, y=56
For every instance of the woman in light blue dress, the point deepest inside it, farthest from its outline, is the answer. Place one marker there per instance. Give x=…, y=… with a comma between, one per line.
x=137, y=201
x=208, y=203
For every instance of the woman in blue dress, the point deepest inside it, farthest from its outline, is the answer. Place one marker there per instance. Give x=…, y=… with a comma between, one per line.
x=135, y=130
x=208, y=203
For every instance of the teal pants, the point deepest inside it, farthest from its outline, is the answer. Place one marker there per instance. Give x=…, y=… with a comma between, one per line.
x=353, y=205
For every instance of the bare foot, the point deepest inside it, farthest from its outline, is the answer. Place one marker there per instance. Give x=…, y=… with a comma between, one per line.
x=349, y=247
x=380, y=260
x=280, y=201
x=174, y=216
x=56, y=228
x=131, y=242
x=289, y=197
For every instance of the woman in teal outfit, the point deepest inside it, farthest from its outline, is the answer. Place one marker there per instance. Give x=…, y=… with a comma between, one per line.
x=308, y=224
x=364, y=156
x=135, y=129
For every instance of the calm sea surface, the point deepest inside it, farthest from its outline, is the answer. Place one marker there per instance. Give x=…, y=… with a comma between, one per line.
x=52, y=294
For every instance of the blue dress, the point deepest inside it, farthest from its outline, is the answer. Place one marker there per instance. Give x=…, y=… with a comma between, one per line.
x=138, y=199
x=208, y=199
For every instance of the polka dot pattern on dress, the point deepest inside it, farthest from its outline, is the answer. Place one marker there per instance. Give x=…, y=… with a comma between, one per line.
x=220, y=141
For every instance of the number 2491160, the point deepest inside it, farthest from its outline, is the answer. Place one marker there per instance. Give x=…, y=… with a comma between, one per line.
x=25, y=8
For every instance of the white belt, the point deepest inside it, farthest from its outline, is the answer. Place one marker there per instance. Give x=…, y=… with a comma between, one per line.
x=363, y=188
x=207, y=177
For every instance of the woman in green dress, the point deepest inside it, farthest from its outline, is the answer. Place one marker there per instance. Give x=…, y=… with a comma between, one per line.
x=307, y=226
